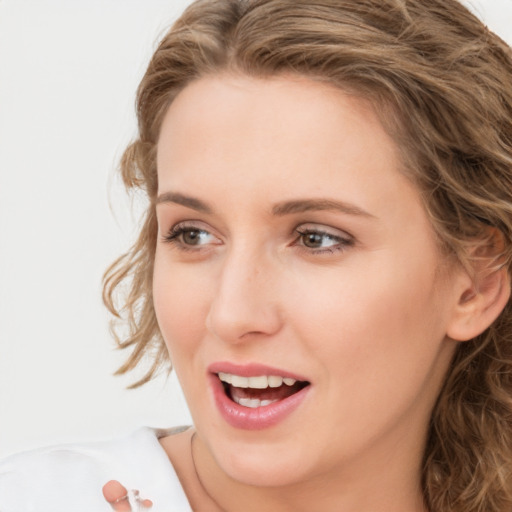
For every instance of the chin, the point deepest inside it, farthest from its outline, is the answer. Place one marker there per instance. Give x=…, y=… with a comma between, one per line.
x=260, y=464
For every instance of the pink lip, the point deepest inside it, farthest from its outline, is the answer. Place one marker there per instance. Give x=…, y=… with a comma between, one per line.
x=259, y=418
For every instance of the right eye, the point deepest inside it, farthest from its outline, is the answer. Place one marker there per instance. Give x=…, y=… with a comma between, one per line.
x=190, y=237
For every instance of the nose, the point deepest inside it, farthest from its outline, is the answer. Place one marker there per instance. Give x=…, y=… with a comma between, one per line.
x=245, y=304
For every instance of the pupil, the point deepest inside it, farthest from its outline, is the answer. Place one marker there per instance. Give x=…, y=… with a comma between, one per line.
x=191, y=237
x=313, y=240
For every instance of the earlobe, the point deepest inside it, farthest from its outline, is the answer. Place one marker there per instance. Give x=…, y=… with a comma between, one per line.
x=484, y=295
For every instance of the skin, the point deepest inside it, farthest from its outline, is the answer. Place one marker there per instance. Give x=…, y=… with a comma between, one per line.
x=116, y=495
x=363, y=313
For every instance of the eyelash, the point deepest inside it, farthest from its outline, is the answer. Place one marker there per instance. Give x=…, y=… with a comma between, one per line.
x=174, y=234
x=341, y=243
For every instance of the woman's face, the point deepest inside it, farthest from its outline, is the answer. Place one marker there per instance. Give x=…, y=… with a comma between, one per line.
x=290, y=245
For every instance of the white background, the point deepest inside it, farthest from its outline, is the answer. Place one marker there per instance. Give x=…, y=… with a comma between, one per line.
x=68, y=74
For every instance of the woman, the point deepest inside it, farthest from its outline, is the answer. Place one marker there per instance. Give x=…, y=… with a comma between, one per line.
x=325, y=257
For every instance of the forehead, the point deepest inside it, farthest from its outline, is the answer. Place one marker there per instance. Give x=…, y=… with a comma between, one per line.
x=283, y=121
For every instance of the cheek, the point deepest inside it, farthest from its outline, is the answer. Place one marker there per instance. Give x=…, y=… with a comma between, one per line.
x=180, y=306
x=387, y=314
x=378, y=343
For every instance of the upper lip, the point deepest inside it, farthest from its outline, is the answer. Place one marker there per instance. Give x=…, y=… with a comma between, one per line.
x=252, y=370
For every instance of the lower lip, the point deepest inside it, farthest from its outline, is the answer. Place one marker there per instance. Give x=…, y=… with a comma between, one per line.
x=258, y=418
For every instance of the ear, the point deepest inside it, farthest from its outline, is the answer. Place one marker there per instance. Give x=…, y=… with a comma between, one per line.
x=482, y=293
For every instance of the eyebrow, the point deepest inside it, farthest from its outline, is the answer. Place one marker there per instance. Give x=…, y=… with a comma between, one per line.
x=308, y=205
x=279, y=210
x=183, y=200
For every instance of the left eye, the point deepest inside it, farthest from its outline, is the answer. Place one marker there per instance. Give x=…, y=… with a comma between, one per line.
x=317, y=239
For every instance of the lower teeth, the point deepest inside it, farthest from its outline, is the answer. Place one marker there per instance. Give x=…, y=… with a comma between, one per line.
x=253, y=403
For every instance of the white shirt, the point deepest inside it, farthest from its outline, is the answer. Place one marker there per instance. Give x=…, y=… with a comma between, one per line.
x=69, y=478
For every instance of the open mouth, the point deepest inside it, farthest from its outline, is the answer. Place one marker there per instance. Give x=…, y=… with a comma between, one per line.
x=259, y=391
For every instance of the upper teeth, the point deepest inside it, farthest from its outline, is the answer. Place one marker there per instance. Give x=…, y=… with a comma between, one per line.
x=259, y=382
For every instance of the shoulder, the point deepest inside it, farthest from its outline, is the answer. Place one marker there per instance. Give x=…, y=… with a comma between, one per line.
x=70, y=477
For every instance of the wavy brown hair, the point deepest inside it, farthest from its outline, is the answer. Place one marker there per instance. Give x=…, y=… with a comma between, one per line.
x=441, y=83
